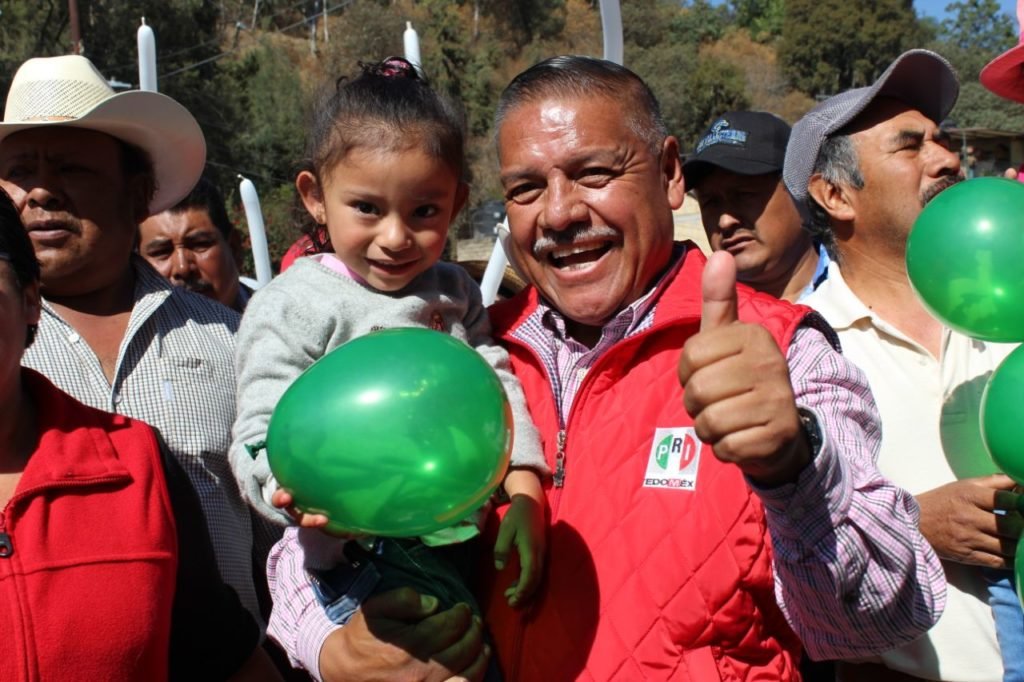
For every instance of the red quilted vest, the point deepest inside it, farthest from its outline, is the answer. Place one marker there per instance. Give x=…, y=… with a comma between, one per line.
x=88, y=562
x=644, y=582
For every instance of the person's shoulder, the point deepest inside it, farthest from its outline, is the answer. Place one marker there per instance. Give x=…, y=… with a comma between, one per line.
x=305, y=285
x=203, y=309
x=835, y=301
x=759, y=304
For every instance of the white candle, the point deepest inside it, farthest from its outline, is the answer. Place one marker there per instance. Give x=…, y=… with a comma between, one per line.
x=257, y=232
x=495, y=270
x=147, y=57
x=611, y=26
x=411, y=41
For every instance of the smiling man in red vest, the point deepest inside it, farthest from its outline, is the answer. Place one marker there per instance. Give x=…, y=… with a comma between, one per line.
x=715, y=499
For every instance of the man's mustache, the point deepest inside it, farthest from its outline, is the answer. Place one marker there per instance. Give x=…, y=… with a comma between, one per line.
x=940, y=186
x=551, y=240
x=200, y=286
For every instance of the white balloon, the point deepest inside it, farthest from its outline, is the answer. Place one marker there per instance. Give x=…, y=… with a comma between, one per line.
x=611, y=25
x=411, y=40
x=257, y=231
x=147, y=57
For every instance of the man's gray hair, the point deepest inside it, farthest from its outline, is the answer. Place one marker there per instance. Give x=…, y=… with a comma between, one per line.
x=576, y=76
x=837, y=164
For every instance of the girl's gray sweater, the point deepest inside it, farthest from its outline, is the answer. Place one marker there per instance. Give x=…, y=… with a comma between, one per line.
x=310, y=310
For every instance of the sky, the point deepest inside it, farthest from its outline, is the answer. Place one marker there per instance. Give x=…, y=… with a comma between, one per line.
x=937, y=8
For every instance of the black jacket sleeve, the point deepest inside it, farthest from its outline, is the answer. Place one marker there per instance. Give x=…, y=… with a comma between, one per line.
x=212, y=634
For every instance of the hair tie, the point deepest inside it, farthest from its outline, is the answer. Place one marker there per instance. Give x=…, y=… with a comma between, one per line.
x=395, y=67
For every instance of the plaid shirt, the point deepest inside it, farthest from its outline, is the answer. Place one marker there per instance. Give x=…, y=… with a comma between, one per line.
x=175, y=371
x=840, y=529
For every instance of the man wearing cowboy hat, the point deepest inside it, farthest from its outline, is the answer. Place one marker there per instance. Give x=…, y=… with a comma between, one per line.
x=85, y=166
x=861, y=166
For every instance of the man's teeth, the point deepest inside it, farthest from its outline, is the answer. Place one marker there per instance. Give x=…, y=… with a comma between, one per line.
x=565, y=252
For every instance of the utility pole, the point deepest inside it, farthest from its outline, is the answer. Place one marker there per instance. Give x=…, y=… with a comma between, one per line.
x=76, y=33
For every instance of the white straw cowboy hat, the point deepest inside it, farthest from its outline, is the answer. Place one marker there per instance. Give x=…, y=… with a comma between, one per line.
x=70, y=91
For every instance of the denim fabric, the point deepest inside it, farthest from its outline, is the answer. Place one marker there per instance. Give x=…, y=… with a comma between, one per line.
x=1006, y=609
x=343, y=588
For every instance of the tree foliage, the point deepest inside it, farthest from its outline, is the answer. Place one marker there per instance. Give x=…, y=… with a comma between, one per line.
x=978, y=25
x=977, y=32
x=832, y=45
x=765, y=87
x=979, y=108
x=248, y=71
x=763, y=19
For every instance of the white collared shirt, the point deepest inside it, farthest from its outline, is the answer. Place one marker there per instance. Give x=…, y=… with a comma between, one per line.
x=930, y=437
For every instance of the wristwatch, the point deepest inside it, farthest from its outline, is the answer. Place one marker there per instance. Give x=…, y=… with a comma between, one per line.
x=809, y=423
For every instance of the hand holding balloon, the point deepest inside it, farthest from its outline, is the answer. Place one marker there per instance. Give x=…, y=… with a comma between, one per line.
x=397, y=433
x=282, y=499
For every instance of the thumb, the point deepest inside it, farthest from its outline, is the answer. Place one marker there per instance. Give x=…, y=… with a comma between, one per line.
x=718, y=291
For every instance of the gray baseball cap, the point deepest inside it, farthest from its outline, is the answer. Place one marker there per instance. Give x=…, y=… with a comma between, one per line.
x=921, y=78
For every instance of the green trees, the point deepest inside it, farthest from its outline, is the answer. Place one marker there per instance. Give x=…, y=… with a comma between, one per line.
x=762, y=18
x=976, y=32
x=831, y=45
x=249, y=76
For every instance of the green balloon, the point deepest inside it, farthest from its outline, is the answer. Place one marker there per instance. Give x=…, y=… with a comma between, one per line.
x=964, y=258
x=398, y=433
x=1018, y=569
x=1002, y=415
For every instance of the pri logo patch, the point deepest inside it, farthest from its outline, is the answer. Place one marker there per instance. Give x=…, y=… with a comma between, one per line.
x=674, y=459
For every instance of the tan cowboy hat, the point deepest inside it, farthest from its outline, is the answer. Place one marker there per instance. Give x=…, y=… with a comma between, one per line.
x=70, y=91
x=1004, y=75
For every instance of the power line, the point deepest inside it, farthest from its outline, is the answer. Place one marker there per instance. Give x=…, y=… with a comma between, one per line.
x=221, y=55
x=238, y=25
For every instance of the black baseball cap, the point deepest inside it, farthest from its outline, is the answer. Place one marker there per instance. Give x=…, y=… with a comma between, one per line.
x=744, y=142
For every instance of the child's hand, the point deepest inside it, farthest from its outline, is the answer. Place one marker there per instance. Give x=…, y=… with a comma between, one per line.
x=283, y=500
x=523, y=526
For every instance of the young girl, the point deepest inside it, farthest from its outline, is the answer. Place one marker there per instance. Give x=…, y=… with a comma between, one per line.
x=385, y=182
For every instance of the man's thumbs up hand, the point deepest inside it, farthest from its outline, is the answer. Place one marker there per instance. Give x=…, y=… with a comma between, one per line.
x=736, y=386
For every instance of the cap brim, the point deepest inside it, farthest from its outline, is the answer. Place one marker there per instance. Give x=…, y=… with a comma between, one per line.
x=1004, y=75
x=696, y=170
x=153, y=122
